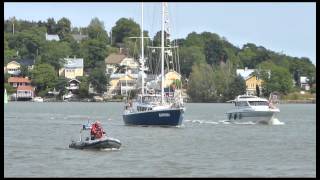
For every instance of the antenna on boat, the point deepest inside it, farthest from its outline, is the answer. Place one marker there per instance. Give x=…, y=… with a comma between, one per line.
x=142, y=50
x=162, y=55
x=126, y=83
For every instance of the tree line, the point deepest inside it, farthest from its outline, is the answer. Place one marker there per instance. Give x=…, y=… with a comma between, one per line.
x=208, y=62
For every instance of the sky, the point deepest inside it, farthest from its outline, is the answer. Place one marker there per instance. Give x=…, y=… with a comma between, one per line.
x=288, y=28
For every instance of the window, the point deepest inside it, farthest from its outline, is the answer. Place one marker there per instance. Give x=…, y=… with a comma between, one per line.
x=241, y=103
x=258, y=103
x=109, y=71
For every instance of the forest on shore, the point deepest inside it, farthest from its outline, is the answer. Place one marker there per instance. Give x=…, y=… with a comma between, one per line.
x=208, y=62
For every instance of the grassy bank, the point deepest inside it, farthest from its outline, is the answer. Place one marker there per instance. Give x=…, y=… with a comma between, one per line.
x=297, y=97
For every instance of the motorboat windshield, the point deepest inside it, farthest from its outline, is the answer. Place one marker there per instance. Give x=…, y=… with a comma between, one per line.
x=258, y=103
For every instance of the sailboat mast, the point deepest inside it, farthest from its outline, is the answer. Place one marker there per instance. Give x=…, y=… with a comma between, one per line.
x=162, y=56
x=142, y=50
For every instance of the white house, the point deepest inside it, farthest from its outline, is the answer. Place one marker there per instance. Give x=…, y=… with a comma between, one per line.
x=304, y=83
x=245, y=73
x=13, y=68
x=52, y=37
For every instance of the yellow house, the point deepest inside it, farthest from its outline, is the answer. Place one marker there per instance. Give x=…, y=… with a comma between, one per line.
x=13, y=68
x=114, y=60
x=122, y=84
x=170, y=77
x=72, y=68
x=251, y=83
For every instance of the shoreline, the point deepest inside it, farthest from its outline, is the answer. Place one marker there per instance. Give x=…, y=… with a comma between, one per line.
x=119, y=100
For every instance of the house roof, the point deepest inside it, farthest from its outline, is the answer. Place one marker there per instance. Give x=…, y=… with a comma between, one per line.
x=249, y=77
x=172, y=72
x=120, y=75
x=50, y=37
x=115, y=58
x=74, y=80
x=13, y=62
x=303, y=79
x=24, y=88
x=79, y=37
x=18, y=79
x=73, y=62
x=245, y=73
x=26, y=62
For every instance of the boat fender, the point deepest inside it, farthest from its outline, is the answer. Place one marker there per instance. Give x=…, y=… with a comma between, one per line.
x=230, y=116
x=235, y=116
x=240, y=116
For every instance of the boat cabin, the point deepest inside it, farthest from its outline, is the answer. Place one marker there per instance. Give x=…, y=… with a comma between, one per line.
x=244, y=100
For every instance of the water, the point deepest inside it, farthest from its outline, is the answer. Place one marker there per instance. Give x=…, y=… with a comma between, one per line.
x=37, y=135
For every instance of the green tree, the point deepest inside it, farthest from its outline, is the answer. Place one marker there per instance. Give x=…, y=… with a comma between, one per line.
x=9, y=55
x=188, y=57
x=51, y=26
x=9, y=88
x=251, y=55
x=215, y=53
x=6, y=77
x=236, y=87
x=84, y=87
x=157, y=39
x=44, y=77
x=194, y=39
x=63, y=27
x=278, y=80
x=54, y=53
x=176, y=83
x=93, y=51
x=24, y=71
x=98, y=79
x=125, y=28
x=257, y=90
x=96, y=30
x=61, y=84
x=28, y=42
x=201, y=86
x=302, y=67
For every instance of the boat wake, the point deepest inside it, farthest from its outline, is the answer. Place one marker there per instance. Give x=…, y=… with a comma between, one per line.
x=275, y=121
x=240, y=123
x=202, y=121
x=224, y=121
x=110, y=149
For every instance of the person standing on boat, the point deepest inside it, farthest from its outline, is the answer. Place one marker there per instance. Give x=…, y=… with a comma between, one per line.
x=97, y=131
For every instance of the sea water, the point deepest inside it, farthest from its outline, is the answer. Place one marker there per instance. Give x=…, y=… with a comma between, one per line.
x=37, y=135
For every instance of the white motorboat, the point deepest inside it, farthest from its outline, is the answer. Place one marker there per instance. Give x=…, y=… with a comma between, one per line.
x=252, y=108
x=67, y=96
x=37, y=99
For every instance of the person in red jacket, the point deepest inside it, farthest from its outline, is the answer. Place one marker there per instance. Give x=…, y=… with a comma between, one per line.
x=97, y=131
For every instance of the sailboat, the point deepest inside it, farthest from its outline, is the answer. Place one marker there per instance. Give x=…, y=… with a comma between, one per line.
x=5, y=96
x=152, y=109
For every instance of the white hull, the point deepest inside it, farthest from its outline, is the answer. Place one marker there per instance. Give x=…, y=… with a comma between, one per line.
x=252, y=109
x=251, y=116
x=37, y=99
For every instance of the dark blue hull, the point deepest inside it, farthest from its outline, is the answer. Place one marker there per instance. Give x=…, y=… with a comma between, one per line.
x=172, y=117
